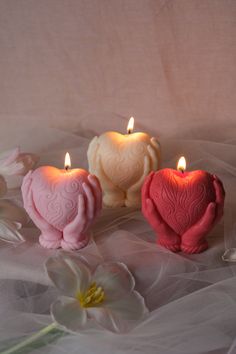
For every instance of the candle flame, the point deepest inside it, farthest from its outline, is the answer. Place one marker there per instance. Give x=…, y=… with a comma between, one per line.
x=67, y=161
x=181, y=164
x=130, y=125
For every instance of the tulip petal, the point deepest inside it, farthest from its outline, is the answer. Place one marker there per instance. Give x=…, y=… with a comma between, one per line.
x=61, y=275
x=28, y=161
x=69, y=277
x=104, y=318
x=229, y=255
x=13, y=162
x=120, y=316
x=9, y=156
x=9, y=231
x=82, y=272
x=115, y=279
x=9, y=164
x=131, y=308
x=69, y=314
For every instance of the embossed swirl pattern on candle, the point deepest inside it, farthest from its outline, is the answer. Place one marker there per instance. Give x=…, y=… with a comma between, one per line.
x=123, y=162
x=181, y=201
x=56, y=196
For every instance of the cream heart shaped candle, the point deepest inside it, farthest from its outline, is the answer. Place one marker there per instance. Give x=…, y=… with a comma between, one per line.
x=182, y=207
x=62, y=203
x=121, y=162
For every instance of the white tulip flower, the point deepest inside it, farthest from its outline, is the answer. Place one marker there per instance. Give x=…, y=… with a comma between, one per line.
x=13, y=166
x=14, y=162
x=105, y=297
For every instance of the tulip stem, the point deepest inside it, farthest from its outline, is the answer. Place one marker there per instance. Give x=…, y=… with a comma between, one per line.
x=30, y=340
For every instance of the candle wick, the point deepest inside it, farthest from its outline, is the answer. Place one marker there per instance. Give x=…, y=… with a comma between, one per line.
x=67, y=168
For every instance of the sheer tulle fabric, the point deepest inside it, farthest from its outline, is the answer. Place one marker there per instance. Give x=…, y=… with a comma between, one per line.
x=192, y=299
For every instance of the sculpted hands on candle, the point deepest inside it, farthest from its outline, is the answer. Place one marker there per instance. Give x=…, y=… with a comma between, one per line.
x=50, y=236
x=73, y=234
x=113, y=195
x=192, y=237
x=150, y=162
x=89, y=206
x=122, y=162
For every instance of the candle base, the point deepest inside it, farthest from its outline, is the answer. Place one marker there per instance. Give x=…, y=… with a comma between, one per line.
x=122, y=199
x=114, y=199
x=194, y=249
x=173, y=247
x=51, y=240
x=76, y=245
x=133, y=199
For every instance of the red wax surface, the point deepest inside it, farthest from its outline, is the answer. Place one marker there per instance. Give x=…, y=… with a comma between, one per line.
x=182, y=198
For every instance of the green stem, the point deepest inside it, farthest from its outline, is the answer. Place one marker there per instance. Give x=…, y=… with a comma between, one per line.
x=30, y=339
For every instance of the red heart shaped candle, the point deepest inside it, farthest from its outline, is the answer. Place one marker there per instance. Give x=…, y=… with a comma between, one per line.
x=182, y=207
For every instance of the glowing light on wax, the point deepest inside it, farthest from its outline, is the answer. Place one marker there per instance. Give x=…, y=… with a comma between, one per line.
x=181, y=164
x=186, y=206
x=121, y=161
x=67, y=161
x=58, y=203
x=130, y=126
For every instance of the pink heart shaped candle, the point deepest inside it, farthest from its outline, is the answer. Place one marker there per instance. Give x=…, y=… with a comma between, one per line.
x=55, y=194
x=182, y=207
x=63, y=204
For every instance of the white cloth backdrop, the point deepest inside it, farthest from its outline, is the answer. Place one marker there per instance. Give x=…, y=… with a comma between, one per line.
x=89, y=65
x=71, y=69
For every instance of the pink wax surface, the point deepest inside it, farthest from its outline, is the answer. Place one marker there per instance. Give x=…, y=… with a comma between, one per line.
x=182, y=198
x=55, y=194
